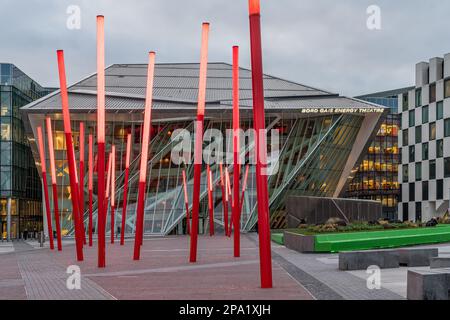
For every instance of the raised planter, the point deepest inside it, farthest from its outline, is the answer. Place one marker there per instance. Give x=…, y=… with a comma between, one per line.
x=369, y=240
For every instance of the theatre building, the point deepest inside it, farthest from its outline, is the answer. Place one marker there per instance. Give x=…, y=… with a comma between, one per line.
x=322, y=137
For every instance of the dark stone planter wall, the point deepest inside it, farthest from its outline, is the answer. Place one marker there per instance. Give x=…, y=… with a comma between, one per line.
x=318, y=210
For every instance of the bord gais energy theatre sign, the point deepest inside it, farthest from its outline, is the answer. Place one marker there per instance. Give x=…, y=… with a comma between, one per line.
x=342, y=110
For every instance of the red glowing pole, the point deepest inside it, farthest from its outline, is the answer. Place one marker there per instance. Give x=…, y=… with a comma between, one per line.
x=125, y=190
x=81, y=194
x=236, y=216
x=228, y=198
x=108, y=181
x=45, y=186
x=144, y=158
x=210, y=201
x=90, y=185
x=244, y=187
x=54, y=188
x=265, y=253
x=198, y=141
x=113, y=190
x=70, y=155
x=186, y=202
x=101, y=140
x=224, y=200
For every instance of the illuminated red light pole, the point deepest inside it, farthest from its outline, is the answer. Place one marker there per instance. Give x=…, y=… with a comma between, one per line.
x=45, y=186
x=228, y=197
x=265, y=254
x=224, y=199
x=198, y=141
x=125, y=190
x=70, y=155
x=81, y=181
x=244, y=187
x=101, y=140
x=113, y=190
x=210, y=200
x=90, y=185
x=108, y=182
x=186, y=203
x=139, y=233
x=236, y=216
x=54, y=188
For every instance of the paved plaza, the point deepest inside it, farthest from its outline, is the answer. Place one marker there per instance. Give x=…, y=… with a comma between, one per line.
x=31, y=272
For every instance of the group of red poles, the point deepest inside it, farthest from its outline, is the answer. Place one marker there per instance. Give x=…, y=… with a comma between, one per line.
x=107, y=192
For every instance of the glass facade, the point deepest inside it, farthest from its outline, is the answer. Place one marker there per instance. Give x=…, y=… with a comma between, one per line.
x=314, y=153
x=19, y=178
x=376, y=177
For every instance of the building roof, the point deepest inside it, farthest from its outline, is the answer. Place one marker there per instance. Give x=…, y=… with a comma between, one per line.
x=176, y=86
x=386, y=94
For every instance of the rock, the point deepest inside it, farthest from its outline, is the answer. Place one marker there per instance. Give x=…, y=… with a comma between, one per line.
x=432, y=223
x=336, y=221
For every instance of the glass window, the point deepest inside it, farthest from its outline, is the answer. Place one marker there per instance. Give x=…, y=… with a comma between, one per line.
x=5, y=74
x=447, y=88
x=432, y=92
x=432, y=132
x=425, y=190
x=405, y=173
x=405, y=102
x=5, y=130
x=5, y=103
x=405, y=137
x=418, y=171
x=440, y=110
x=5, y=178
x=439, y=148
x=419, y=134
x=418, y=97
x=425, y=112
x=447, y=127
x=59, y=142
x=418, y=211
x=439, y=189
x=5, y=154
x=412, y=153
x=432, y=169
x=425, y=151
x=405, y=212
x=412, y=192
x=447, y=167
x=412, y=118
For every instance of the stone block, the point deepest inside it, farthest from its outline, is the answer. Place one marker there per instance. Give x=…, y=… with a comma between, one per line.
x=417, y=257
x=361, y=260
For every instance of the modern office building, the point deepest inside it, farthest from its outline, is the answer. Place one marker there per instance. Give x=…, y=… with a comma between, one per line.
x=425, y=142
x=20, y=186
x=377, y=175
x=322, y=136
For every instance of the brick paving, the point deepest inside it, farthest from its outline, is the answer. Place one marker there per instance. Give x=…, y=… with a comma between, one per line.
x=163, y=273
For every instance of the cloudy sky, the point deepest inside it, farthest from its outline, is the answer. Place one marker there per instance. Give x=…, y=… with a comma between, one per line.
x=321, y=43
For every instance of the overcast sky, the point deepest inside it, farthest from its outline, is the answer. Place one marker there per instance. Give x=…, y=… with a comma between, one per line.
x=321, y=43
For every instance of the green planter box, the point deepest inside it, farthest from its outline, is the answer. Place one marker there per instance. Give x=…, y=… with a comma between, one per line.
x=354, y=241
